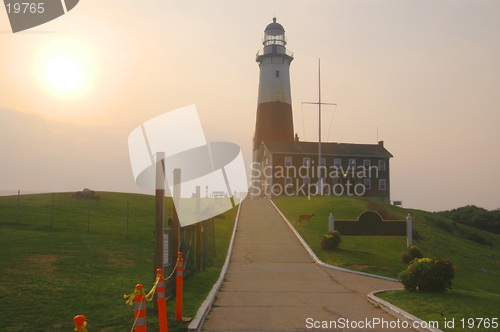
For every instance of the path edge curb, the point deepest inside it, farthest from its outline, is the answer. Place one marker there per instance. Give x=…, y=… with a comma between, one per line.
x=317, y=260
x=397, y=312
x=386, y=306
x=205, y=307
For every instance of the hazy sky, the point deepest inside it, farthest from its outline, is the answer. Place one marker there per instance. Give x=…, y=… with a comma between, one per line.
x=425, y=73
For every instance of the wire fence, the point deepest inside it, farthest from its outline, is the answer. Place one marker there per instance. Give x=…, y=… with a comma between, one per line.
x=106, y=213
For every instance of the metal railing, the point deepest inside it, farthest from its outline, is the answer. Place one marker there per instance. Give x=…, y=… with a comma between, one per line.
x=261, y=53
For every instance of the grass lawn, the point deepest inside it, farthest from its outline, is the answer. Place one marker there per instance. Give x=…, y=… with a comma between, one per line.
x=50, y=274
x=438, y=238
x=458, y=306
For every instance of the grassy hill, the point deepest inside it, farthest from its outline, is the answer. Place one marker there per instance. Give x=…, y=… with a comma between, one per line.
x=474, y=216
x=49, y=274
x=476, y=253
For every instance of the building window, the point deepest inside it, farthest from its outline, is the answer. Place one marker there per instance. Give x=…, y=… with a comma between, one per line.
x=306, y=181
x=288, y=182
x=368, y=184
x=306, y=162
x=288, y=161
x=337, y=162
x=366, y=163
x=352, y=163
x=381, y=165
x=382, y=184
x=277, y=73
x=322, y=162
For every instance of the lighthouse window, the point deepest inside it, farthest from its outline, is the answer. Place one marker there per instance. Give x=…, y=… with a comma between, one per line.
x=277, y=73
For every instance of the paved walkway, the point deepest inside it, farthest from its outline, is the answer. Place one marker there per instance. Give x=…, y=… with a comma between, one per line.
x=272, y=283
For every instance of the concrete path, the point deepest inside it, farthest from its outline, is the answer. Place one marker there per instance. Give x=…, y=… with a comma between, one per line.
x=272, y=283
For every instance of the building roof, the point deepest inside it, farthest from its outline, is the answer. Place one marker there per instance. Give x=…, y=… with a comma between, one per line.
x=274, y=28
x=330, y=148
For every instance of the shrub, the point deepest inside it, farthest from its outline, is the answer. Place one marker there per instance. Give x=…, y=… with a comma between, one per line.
x=427, y=275
x=331, y=241
x=411, y=253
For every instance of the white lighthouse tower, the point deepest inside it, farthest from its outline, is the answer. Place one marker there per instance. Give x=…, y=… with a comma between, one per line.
x=274, y=110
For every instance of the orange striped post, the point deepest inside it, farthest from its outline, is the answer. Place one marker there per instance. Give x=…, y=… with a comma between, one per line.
x=179, y=290
x=162, y=302
x=140, y=309
x=80, y=323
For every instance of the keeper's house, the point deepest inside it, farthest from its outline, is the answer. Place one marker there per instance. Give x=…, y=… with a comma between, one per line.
x=290, y=168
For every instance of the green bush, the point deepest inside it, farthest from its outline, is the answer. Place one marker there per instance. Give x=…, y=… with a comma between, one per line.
x=410, y=254
x=331, y=241
x=427, y=275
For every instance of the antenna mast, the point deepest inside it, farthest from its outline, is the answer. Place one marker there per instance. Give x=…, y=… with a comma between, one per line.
x=319, y=103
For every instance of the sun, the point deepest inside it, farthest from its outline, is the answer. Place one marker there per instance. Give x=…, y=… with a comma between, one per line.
x=65, y=73
x=65, y=70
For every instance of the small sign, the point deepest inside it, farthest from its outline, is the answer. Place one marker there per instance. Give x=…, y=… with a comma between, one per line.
x=165, y=250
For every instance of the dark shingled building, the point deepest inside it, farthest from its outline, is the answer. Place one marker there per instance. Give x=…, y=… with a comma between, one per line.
x=291, y=168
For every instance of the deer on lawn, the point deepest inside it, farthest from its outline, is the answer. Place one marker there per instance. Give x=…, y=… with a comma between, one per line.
x=304, y=217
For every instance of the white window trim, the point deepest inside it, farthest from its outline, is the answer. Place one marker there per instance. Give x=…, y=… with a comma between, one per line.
x=382, y=183
x=288, y=159
x=339, y=164
x=367, y=163
x=352, y=163
x=288, y=182
x=368, y=184
x=304, y=182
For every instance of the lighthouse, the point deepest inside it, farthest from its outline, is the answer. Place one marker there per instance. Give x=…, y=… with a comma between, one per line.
x=282, y=164
x=274, y=120
x=274, y=109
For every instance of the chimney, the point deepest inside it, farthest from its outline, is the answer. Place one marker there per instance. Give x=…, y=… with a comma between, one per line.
x=296, y=139
x=381, y=144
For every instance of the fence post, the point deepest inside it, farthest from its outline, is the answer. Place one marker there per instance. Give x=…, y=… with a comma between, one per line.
x=331, y=223
x=159, y=212
x=204, y=243
x=88, y=215
x=18, y=196
x=213, y=237
x=176, y=227
x=198, y=229
x=162, y=302
x=80, y=323
x=140, y=309
x=409, y=230
x=180, y=284
x=52, y=210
